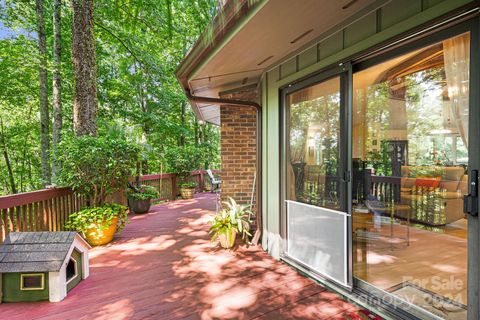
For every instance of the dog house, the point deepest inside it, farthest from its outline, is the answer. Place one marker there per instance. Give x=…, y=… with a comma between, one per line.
x=36, y=266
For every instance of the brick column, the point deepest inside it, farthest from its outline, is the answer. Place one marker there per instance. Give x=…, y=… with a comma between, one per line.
x=238, y=148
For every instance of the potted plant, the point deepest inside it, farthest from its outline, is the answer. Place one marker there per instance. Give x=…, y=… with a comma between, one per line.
x=96, y=167
x=140, y=198
x=229, y=221
x=187, y=189
x=98, y=225
x=182, y=161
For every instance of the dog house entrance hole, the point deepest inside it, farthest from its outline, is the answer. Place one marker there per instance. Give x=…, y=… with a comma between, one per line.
x=72, y=270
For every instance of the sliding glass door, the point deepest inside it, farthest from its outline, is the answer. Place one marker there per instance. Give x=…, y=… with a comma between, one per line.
x=317, y=219
x=411, y=149
x=375, y=166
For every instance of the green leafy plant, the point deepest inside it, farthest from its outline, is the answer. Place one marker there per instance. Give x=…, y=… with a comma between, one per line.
x=426, y=171
x=97, y=217
x=95, y=167
x=188, y=185
x=233, y=217
x=183, y=160
x=143, y=192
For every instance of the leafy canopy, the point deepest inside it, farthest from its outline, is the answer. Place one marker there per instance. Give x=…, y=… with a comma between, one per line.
x=139, y=44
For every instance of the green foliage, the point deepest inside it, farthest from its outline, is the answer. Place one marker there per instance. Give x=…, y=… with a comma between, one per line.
x=425, y=172
x=235, y=217
x=184, y=160
x=381, y=160
x=188, y=185
x=98, y=217
x=144, y=192
x=96, y=166
x=139, y=46
x=316, y=110
x=19, y=128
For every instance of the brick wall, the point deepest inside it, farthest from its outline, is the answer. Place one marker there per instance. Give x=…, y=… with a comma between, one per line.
x=238, y=148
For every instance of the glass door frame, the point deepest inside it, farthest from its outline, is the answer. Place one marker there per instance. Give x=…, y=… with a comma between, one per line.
x=344, y=72
x=429, y=35
x=418, y=42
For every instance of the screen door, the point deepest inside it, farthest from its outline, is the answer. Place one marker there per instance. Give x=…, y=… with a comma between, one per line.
x=316, y=178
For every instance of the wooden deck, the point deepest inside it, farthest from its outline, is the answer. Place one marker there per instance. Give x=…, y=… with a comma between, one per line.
x=163, y=266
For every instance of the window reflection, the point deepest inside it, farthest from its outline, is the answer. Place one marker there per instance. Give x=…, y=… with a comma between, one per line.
x=313, y=144
x=410, y=139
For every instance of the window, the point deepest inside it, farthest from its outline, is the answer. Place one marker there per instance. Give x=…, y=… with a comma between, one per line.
x=72, y=270
x=313, y=144
x=410, y=156
x=35, y=281
x=316, y=219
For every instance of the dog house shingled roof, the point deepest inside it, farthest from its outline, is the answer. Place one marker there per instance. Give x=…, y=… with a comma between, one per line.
x=35, y=251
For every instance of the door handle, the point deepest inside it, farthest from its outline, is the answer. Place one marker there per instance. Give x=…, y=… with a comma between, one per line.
x=470, y=200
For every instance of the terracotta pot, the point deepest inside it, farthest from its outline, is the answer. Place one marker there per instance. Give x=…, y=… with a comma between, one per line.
x=187, y=193
x=97, y=237
x=227, y=239
x=139, y=206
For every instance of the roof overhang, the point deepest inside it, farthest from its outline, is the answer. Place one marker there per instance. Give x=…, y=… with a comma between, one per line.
x=248, y=37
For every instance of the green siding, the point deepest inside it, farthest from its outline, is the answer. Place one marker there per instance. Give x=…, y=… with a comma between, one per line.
x=264, y=162
x=288, y=68
x=430, y=3
x=394, y=18
x=397, y=11
x=360, y=29
x=331, y=45
x=273, y=160
x=308, y=57
x=12, y=293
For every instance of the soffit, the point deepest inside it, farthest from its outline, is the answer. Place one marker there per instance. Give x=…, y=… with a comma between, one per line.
x=268, y=37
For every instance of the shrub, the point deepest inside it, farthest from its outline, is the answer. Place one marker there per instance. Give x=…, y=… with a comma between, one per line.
x=183, y=160
x=188, y=185
x=143, y=193
x=96, y=166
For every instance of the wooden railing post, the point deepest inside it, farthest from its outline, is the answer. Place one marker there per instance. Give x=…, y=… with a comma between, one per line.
x=201, y=183
x=367, y=187
x=174, y=186
x=3, y=230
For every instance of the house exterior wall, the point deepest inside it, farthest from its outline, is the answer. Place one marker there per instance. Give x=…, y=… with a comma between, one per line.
x=392, y=19
x=238, y=148
x=12, y=293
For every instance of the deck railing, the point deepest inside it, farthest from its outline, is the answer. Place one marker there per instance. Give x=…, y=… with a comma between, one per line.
x=384, y=188
x=49, y=209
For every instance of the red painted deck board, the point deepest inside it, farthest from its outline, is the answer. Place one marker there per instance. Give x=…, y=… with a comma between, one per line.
x=163, y=266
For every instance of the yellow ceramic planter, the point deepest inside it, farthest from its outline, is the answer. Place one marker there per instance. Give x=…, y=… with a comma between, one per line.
x=97, y=237
x=187, y=193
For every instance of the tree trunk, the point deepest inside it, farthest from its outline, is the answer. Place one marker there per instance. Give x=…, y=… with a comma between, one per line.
x=57, y=85
x=84, y=62
x=181, y=140
x=11, y=178
x=44, y=116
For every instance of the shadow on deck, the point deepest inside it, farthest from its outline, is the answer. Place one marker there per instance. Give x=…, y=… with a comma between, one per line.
x=163, y=266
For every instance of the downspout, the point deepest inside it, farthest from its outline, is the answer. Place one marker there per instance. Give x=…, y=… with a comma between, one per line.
x=258, y=111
